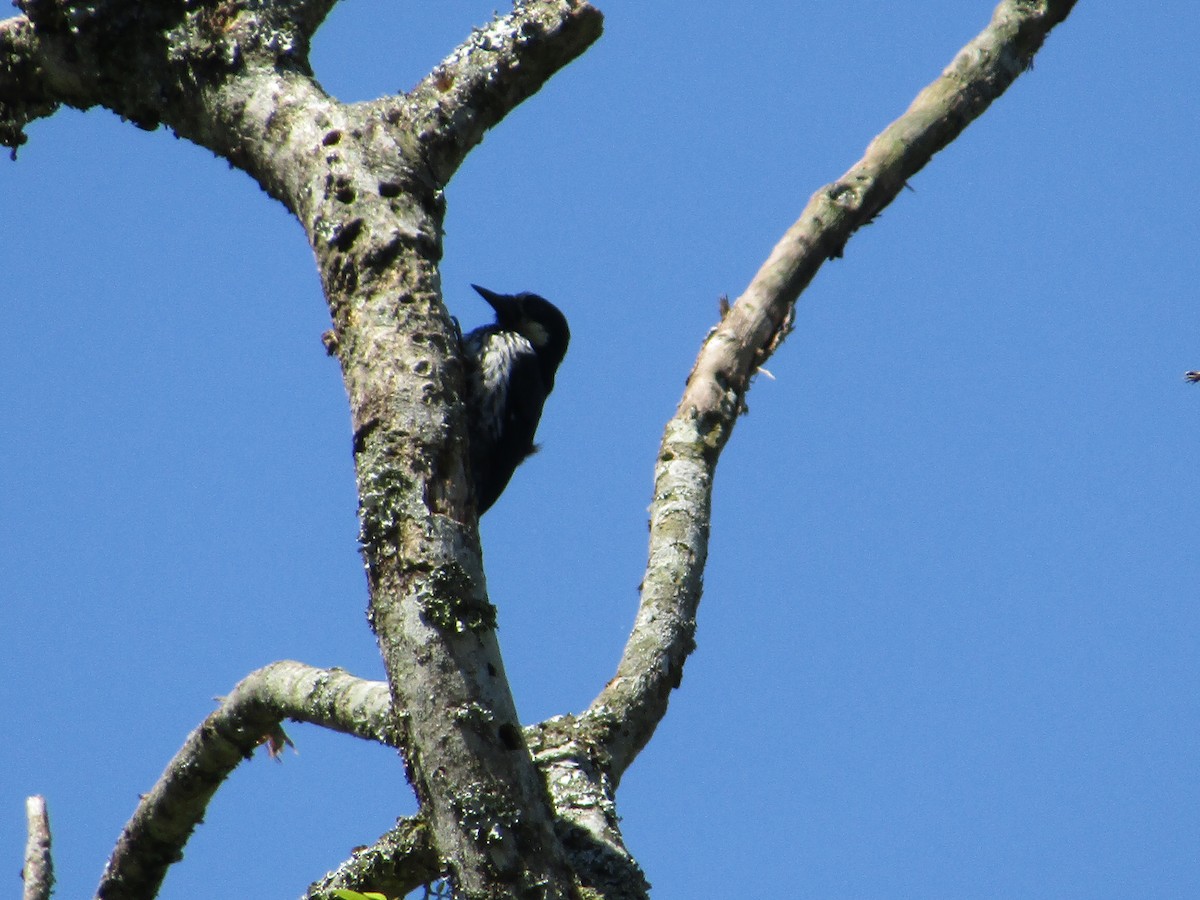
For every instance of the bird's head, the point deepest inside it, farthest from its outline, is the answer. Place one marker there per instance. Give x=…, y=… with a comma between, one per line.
x=536, y=319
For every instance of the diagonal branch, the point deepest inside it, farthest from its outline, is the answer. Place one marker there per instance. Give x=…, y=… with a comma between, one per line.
x=630, y=707
x=498, y=67
x=164, y=820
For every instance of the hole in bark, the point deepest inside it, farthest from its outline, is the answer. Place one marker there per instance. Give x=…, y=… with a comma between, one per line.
x=510, y=736
x=345, y=236
x=331, y=138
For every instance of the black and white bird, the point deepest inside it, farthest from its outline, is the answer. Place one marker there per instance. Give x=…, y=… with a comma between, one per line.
x=511, y=366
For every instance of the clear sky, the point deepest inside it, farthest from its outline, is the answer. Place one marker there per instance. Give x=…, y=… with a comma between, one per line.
x=950, y=640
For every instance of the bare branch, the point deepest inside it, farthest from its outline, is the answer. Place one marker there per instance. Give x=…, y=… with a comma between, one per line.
x=492, y=72
x=154, y=838
x=629, y=708
x=38, y=873
x=398, y=863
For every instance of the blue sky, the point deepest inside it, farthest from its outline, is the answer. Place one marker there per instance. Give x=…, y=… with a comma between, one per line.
x=950, y=644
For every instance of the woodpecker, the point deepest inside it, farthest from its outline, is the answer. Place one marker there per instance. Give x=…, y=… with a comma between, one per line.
x=510, y=372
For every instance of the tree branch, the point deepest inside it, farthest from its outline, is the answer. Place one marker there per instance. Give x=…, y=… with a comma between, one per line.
x=155, y=836
x=623, y=717
x=146, y=62
x=395, y=865
x=38, y=873
x=497, y=68
x=485, y=802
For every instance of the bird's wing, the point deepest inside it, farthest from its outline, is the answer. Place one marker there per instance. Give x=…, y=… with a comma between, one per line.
x=527, y=396
x=509, y=394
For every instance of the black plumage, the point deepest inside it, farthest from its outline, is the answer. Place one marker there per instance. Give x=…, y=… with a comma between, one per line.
x=511, y=366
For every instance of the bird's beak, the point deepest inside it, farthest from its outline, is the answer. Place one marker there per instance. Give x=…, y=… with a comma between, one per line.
x=504, y=305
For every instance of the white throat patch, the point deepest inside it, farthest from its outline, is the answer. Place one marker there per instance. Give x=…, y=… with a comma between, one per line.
x=498, y=352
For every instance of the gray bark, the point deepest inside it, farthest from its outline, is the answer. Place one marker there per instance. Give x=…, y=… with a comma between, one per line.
x=505, y=811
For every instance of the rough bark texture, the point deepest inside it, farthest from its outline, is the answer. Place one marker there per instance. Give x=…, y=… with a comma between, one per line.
x=505, y=811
